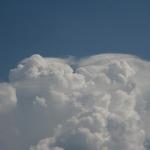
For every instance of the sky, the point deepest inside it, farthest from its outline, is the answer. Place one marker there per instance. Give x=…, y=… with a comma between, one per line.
x=69, y=77
x=79, y=28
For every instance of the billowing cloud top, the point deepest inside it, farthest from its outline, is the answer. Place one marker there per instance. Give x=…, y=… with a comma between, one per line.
x=102, y=103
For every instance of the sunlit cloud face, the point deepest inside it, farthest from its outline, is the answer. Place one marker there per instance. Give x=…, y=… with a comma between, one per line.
x=101, y=104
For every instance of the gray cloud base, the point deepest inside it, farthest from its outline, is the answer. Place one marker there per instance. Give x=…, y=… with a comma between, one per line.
x=100, y=104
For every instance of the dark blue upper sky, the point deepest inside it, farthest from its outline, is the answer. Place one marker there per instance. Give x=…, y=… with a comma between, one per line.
x=59, y=28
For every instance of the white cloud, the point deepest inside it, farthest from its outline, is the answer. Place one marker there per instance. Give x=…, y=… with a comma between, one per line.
x=102, y=104
x=7, y=97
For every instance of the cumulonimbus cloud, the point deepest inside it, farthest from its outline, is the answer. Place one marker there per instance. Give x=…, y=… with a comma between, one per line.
x=102, y=103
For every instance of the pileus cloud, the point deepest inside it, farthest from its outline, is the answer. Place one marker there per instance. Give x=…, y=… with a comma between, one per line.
x=101, y=104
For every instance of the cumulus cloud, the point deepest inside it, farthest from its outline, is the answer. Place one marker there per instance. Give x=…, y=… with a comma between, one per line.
x=102, y=103
x=7, y=97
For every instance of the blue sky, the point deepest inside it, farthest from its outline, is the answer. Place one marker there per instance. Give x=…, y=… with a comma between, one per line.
x=59, y=28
